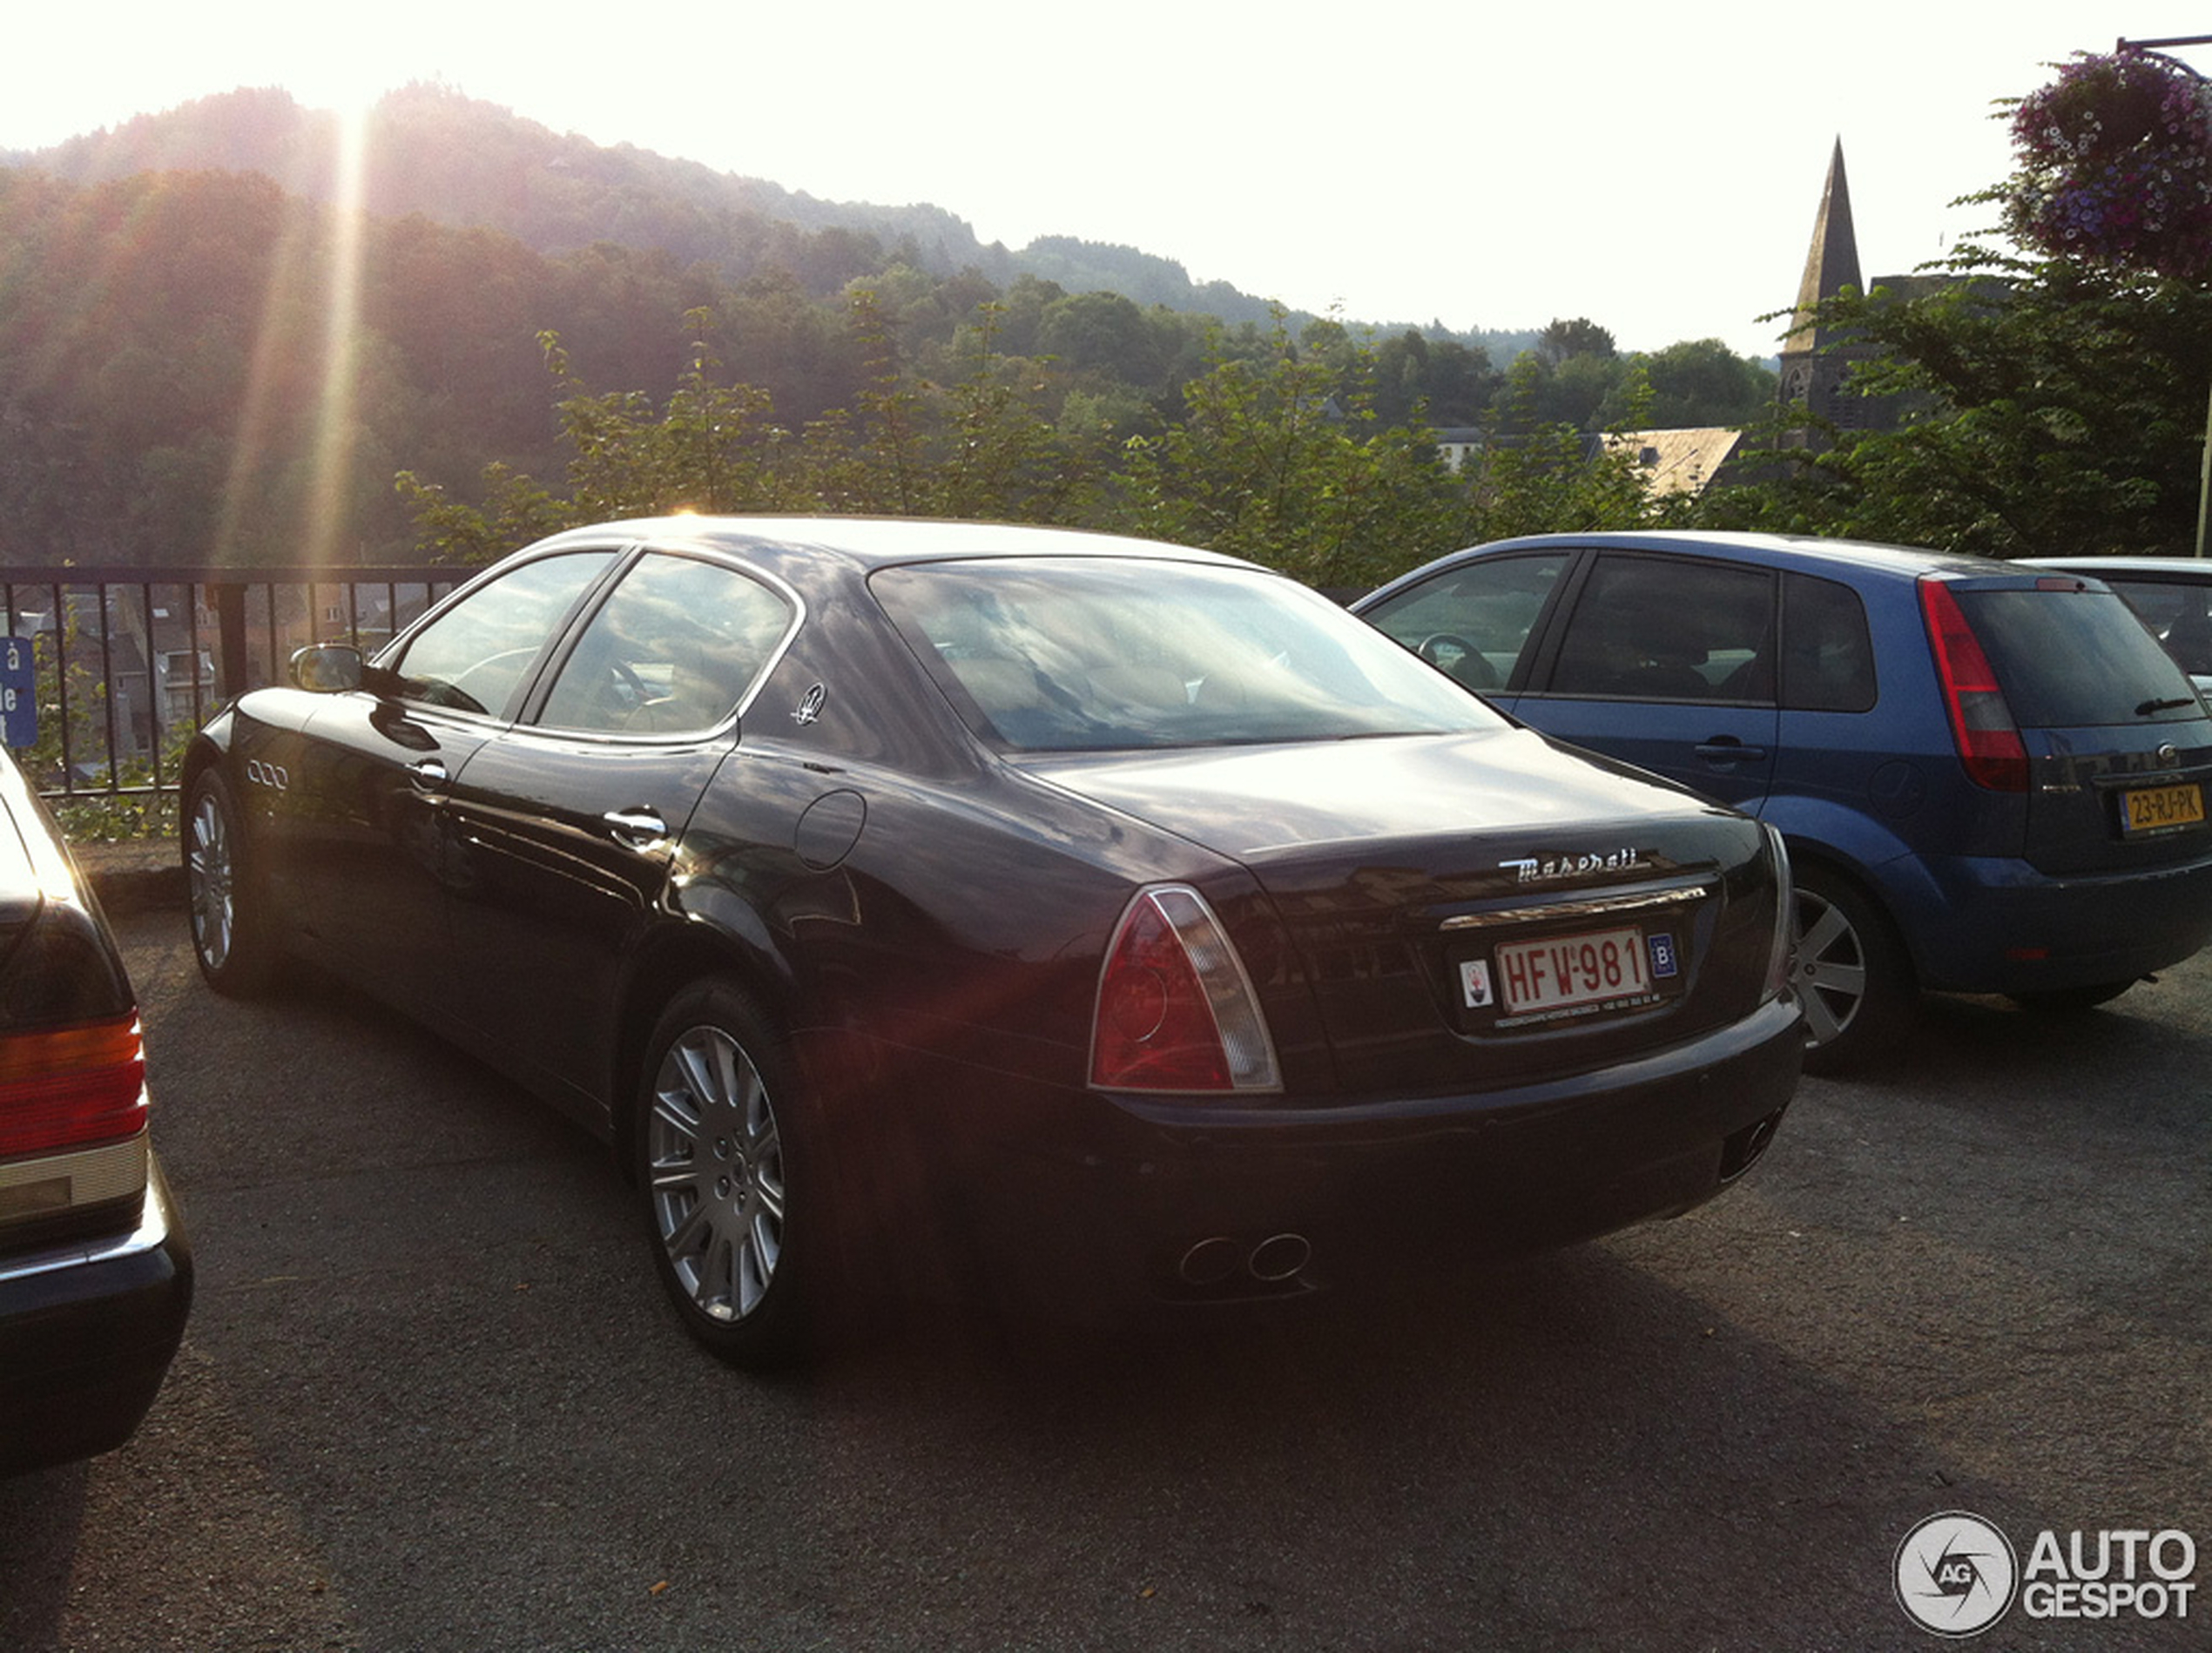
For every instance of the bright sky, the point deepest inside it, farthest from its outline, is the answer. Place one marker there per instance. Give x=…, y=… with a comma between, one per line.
x=1653, y=167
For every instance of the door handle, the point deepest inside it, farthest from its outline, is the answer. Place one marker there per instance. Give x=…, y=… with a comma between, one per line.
x=640, y=826
x=428, y=774
x=1726, y=749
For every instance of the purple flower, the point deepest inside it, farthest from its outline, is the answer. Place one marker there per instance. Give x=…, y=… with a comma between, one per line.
x=2112, y=165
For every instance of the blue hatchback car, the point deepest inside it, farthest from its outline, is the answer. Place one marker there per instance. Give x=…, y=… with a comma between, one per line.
x=1990, y=778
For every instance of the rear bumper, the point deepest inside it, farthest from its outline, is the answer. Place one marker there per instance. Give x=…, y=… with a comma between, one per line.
x=1074, y=1198
x=1992, y=925
x=87, y=1337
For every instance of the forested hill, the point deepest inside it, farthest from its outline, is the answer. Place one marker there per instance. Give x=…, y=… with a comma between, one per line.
x=473, y=165
x=205, y=358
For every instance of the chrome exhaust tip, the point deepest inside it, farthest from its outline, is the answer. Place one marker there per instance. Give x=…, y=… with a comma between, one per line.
x=1741, y=1151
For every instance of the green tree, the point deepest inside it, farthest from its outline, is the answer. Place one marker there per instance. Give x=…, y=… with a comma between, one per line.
x=1277, y=461
x=2050, y=401
x=1554, y=477
x=709, y=448
x=1695, y=383
x=2051, y=408
x=1562, y=341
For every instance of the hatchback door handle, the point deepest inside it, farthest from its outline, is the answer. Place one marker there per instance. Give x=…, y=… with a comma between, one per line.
x=428, y=774
x=640, y=826
x=1725, y=749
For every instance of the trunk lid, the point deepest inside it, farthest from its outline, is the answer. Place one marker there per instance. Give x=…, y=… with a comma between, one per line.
x=1464, y=907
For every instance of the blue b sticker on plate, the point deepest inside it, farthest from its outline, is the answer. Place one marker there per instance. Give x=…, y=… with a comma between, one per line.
x=1661, y=948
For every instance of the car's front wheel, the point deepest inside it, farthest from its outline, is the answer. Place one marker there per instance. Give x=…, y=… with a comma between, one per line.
x=226, y=922
x=723, y=1179
x=1852, y=974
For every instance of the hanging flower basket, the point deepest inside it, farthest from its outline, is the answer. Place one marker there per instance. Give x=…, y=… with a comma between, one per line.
x=2115, y=165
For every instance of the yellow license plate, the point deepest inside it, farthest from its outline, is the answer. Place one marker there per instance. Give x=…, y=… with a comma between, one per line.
x=2152, y=808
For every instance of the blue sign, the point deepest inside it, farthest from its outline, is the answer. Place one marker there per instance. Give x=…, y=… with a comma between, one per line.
x=1661, y=948
x=18, y=692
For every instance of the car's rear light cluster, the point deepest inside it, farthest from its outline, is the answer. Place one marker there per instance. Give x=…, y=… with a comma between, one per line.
x=70, y=1088
x=1176, y=1011
x=1981, y=724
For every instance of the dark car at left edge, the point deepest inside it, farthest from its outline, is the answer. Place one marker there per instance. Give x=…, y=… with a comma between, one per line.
x=1022, y=913
x=96, y=1275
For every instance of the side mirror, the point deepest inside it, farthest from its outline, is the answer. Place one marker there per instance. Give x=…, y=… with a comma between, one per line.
x=328, y=668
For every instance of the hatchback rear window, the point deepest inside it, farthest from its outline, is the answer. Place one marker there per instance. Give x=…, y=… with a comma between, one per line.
x=2073, y=659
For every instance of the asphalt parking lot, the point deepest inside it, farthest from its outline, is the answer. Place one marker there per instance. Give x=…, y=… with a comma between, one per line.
x=430, y=1397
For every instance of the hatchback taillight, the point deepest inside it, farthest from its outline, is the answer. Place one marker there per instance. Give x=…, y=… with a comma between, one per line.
x=1981, y=724
x=69, y=1088
x=1174, y=1010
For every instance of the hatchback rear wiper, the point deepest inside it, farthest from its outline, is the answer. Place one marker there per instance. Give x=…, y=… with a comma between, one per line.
x=2149, y=706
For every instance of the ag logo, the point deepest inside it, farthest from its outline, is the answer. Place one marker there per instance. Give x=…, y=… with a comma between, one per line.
x=1956, y=1574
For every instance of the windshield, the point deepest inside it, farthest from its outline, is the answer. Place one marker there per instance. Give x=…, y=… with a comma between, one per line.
x=1082, y=654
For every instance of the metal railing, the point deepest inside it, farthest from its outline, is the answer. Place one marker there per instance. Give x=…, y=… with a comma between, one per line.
x=127, y=662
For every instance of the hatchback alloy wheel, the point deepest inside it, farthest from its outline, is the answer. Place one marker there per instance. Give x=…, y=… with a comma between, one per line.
x=1851, y=976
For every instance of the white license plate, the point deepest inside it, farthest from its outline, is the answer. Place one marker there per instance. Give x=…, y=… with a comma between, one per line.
x=1568, y=970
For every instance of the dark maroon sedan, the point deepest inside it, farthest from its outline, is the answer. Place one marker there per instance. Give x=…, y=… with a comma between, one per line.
x=925, y=902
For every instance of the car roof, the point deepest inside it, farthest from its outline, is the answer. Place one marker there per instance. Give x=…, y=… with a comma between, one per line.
x=1782, y=551
x=2182, y=568
x=876, y=542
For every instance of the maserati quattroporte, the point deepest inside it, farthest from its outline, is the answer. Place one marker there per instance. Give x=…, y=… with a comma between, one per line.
x=927, y=903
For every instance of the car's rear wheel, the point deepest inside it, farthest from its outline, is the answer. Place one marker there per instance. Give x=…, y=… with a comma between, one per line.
x=1851, y=973
x=719, y=1169
x=227, y=934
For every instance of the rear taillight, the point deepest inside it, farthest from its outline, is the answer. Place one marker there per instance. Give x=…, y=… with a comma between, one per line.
x=1176, y=1011
x=69, y=1088
x=1981, y=724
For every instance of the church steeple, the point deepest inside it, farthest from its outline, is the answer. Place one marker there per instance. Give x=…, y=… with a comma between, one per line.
x=1812, y=369
x=1831, y=265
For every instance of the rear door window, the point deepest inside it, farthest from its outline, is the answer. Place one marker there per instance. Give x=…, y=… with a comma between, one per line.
x=1648, y=628
x=672, y=650
x=1668, y=663
x=2068, y=658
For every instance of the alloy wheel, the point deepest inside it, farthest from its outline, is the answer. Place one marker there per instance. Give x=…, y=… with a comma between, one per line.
x=209, y=872
x=1831, y=967
x=714, y=1157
